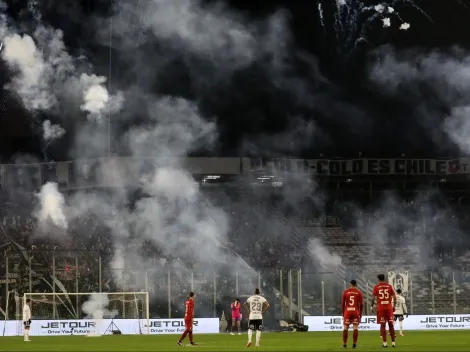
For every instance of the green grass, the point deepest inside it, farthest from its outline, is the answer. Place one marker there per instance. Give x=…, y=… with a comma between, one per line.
x=322, y=341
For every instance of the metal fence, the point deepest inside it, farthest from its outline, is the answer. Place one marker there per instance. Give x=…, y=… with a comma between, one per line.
x=293, y=293
x=45, y=271
x=426, y=292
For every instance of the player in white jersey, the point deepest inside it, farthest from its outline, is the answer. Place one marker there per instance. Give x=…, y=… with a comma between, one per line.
x=255, y=306
x=27, y=319
x=400, y=311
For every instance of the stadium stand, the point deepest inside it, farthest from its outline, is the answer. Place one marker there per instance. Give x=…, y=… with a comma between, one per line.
x=267, y=235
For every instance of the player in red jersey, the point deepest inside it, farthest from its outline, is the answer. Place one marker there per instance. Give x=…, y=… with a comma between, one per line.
x=386, y=300
x=188, y=320
x=236, y=316
x=352, y=306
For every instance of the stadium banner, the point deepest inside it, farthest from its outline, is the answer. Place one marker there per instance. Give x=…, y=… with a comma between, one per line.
x=413, y=322
x=126, y=326
x=350, y=167
x=399, y=280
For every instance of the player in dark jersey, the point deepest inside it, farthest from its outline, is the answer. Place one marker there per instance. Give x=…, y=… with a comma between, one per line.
x=188, y=320
x=386, y=300
x=352, y=306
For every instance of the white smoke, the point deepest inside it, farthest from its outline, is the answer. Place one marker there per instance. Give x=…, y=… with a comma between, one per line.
x=52, y=206
x=97, y=307
x=173, y=214
x=404, y=26
x=445, y=74
x=30, y=82
x=323, y=257
x=386, y=22
x=97, y=100
x=194, y=32
x=46, y=75
x=51, y=131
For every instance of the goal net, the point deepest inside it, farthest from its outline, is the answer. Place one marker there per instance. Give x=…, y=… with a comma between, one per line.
x=92, y=314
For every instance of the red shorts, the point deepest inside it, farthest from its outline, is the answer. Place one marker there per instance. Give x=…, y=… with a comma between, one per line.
x=188, y=323
x=236, y=317
x=351, y=317
x=384, y=316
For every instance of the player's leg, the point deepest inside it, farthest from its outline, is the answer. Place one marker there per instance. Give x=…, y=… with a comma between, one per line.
x=183, y=336
x=391, y=326
x=239, y=326
x=251, y=327
x=190, y=334
x=400, y=325
x=355, y=334
x=26, y=330
x=346, y=323
x=355, y=322
x=259, y=328
x=233, y=325
x=383, y=333
x=345, y=333
x=187, y=329
x=383, y=330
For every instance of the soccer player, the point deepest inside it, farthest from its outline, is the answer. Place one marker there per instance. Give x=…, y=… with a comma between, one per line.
x=352, y=306
x=236, y=316
x=188, y=320
x=400, y=310
x=385, y=296
x=255, y=306
x=27, y=319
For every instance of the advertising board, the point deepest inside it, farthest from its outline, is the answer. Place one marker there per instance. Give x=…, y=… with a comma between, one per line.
x=126, y=326
x=413, y=322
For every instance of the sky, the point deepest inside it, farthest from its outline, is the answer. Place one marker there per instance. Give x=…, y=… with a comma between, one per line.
x=304, y=86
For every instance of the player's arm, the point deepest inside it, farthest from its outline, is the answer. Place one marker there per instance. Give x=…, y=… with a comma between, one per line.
x=343, y=302
x=265, y=307
x=394, y=296
x=246, y=308
x=405, y=309
x=374, y=295
x=361, y=304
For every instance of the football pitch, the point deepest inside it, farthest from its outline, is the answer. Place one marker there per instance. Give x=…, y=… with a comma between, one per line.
x=292, y=341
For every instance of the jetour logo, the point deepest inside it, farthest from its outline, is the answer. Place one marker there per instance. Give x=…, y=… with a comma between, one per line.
x=446, y=319
x=339, y=321
x=170, y=326
x=445, y=322
x=68, y=325
x=168, y=323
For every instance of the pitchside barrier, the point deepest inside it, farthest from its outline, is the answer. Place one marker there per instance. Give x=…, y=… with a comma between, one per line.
x=413, y=322
x=211, y=325
x=100, y=327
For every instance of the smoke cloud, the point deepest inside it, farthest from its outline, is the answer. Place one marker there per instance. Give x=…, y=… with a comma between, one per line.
x=435, y=84
x=46, y=76
x=51, y=131
x=97, y=307
x=52, y=205
x=172, y=212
